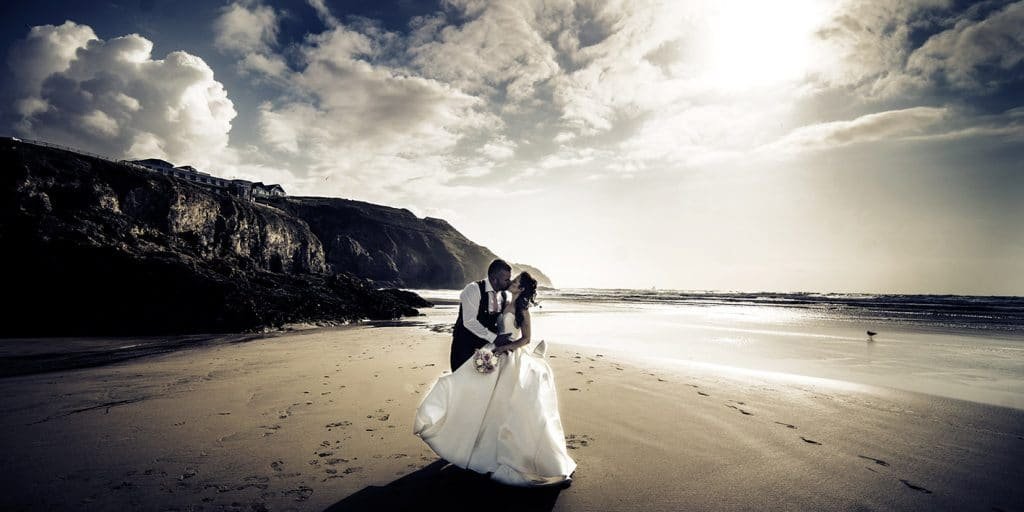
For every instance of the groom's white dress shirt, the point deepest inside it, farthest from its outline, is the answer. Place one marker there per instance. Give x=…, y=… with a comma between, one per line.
x=470, y=298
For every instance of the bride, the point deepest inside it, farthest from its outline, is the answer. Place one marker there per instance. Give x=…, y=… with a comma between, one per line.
x=504, y=423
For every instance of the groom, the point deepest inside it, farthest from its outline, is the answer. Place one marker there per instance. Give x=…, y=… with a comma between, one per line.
x=481, y=305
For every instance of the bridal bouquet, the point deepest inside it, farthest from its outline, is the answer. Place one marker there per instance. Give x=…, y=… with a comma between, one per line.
x=485, y=360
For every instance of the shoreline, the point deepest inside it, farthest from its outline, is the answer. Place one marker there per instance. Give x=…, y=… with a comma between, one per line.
x=21, y=356
x=321, y=419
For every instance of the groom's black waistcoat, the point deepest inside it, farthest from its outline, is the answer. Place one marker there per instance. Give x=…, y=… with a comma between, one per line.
x=464, y=342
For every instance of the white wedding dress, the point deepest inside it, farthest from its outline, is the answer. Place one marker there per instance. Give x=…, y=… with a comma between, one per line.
x=505, y=423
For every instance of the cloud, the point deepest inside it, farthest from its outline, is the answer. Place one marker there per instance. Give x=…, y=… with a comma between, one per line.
x=886, y=58
x=891, y=49
x=499, y=149
x=575, y=75
x=371, y=122
x=246, y=27
x=890, y=125
x=500, y=93
x=502, y=49
x=112, y=97
x=484, y=93
x=323, y=13
x=869, y=42
x=249, y=30
x=47, y=50
x=961, y=54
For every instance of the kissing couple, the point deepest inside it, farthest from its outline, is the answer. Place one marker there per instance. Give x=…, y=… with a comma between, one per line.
x=505, y=422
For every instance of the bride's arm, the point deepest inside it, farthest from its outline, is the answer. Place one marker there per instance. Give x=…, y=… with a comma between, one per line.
x=521, y=342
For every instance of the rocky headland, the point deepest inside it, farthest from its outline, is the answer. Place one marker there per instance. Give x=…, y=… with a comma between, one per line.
x=391, y=246
x=94, y=247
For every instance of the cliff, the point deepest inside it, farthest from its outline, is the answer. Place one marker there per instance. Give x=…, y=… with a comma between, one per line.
x=95, y=247
x=392, y=246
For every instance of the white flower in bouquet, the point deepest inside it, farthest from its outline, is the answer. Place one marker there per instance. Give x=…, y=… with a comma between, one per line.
x=485, y=360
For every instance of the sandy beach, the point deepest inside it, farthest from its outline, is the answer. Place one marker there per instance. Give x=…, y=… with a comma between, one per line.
x=321, y=419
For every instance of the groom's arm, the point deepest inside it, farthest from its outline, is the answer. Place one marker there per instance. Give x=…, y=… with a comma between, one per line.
x=470, y=298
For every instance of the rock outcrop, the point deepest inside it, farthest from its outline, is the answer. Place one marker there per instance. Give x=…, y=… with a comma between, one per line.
x=392, y=246
x=95, y=247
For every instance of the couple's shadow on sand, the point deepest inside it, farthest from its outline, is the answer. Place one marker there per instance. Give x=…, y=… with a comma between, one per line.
x=441, y=486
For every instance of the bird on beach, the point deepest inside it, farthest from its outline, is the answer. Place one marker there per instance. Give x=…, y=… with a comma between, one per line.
x=871, y=335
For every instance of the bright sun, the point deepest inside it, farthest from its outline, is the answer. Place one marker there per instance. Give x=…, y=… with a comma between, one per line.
x=750, y=44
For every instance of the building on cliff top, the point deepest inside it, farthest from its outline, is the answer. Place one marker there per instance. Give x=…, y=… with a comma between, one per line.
x=238, y=188
x=261, y=190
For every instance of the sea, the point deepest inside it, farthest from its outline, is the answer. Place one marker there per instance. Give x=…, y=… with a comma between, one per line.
x=962, y=347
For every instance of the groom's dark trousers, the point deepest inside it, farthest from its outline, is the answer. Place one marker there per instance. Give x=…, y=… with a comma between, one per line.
x=464, y=342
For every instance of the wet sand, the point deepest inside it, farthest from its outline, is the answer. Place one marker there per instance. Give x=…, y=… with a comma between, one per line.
x=322, y=420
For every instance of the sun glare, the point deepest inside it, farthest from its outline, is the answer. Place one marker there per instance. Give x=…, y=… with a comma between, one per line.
x=751, y=44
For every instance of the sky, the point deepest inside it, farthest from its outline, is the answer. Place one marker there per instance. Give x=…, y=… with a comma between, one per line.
x=869, y=146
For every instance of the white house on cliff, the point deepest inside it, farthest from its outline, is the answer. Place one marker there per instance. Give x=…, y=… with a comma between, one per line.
x=239, y=188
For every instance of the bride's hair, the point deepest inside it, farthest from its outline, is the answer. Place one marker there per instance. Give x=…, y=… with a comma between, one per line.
x=526, y=297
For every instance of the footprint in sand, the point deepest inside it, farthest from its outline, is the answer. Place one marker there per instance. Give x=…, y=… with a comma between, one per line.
x=337, y=424
x=574, y=389
x=917, y=488
x=259, y=482
x=576, y=441
x=880, y=462
x=301, y=493
x=745, y=413
x=787, y=425
x=277, y=465
x=123, y=485
x=701, y=393
x=809, y=441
